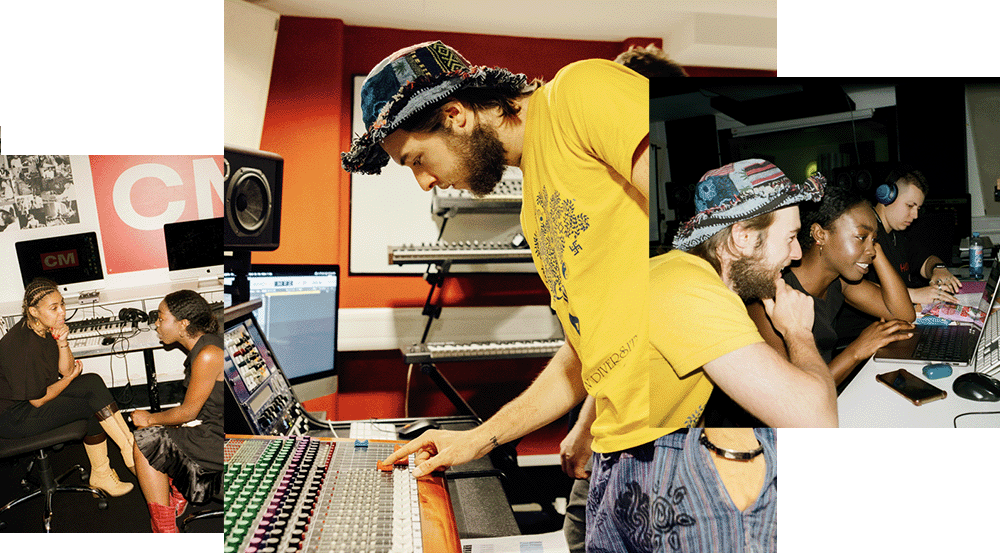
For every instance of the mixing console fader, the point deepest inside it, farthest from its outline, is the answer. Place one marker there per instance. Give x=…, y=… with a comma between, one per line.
x=313, y=495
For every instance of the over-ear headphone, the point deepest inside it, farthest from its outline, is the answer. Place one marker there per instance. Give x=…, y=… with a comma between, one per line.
x=132, y=315
x=886, y=192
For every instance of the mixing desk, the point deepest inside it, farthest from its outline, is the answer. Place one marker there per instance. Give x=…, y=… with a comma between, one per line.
x=302, y=494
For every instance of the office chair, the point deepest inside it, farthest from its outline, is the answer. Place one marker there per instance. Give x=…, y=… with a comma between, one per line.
x=48, y=483
x=198, y=515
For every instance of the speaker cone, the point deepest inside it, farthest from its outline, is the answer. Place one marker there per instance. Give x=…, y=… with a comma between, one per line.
x=865, y=180
x=248, y=201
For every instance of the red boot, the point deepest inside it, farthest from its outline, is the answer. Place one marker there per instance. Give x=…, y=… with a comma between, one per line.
x=177, y=500
x=162, y=519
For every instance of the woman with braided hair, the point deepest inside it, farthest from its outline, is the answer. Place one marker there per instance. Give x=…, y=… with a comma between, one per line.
x=175, y=459
x=43, y=387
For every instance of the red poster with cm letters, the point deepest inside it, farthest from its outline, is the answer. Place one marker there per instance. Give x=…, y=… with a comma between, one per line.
x=137, y=195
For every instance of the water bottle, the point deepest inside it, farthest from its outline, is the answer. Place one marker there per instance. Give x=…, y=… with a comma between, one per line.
x=976, y=256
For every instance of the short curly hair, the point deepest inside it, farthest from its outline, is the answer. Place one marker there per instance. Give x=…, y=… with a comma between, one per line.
x=188, y=304
x=836, y=200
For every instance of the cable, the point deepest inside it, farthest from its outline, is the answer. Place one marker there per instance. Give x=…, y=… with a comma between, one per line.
x=406, y=397
x=854, y=129
x=955, y=421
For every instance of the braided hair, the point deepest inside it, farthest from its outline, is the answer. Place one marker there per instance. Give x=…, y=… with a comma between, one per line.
x=34, y=292
x=188, y=304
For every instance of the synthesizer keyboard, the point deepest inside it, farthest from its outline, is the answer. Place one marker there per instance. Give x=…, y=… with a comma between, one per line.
x=505, y=198
x=451, y=351
x=458, y=252
x=317, y=494
x=88, y=334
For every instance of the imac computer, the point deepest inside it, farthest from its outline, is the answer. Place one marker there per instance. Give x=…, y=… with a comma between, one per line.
x=194, y=250
x=72, y=261
x=298, y=315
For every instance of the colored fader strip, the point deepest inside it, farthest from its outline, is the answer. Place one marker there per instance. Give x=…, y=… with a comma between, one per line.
x=302, y=494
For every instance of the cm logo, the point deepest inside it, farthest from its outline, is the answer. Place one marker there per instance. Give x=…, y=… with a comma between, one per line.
x=60, y=260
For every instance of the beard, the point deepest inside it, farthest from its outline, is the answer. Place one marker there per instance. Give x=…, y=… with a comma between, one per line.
x=483, y=158
x=752, y=278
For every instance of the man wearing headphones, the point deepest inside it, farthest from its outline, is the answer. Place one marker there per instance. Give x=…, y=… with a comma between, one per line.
x=898, y=203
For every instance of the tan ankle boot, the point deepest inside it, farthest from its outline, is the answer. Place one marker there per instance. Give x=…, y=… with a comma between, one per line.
x=102, y=476
x=117, y=429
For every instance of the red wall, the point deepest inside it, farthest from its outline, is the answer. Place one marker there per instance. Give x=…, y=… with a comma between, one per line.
x=308, y=122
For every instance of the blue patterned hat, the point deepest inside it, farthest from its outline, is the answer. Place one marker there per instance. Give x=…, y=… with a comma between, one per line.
x=739, y=191
x=407, y=82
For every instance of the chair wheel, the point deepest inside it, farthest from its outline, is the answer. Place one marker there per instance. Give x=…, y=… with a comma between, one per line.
x=84, y=475
x=102, y=504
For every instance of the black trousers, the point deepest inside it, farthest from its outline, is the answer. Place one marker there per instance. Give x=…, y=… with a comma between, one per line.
x=82, y=398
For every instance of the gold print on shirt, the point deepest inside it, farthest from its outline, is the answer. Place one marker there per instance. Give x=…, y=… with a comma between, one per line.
x=559, y=228
x=609, y=364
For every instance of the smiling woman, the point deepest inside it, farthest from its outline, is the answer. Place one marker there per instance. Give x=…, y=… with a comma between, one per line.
x=839, y=248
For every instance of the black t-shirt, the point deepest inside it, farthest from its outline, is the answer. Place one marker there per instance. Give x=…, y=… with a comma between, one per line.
x=825, y=311
x=29, y=364
x=906, y=256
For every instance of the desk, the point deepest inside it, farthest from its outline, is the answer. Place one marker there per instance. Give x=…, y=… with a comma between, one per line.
x=868, y=403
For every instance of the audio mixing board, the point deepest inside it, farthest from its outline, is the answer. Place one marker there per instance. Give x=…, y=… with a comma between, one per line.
x=301, y=494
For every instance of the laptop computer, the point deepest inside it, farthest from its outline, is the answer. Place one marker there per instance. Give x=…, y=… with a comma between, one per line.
x=953, y=344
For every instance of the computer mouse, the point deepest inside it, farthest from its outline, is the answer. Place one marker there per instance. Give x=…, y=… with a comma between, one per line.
x=107, y=341
x=417, y=428
x=977, y=387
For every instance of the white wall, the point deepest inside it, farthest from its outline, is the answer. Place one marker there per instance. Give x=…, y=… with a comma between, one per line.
x=251, y=35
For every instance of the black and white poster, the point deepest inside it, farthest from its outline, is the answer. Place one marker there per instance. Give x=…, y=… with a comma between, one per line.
x=36, y=191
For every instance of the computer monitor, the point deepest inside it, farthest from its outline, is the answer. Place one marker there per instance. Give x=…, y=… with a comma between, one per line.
x=298, y=316
x=72, y=261
x=194, y=249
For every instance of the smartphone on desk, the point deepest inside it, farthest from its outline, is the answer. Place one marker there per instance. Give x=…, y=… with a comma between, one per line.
x=911, y=387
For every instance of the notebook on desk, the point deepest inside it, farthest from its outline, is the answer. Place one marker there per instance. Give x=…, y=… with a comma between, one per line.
x=955, y=344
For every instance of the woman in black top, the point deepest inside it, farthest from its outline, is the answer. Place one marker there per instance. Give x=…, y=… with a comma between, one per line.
x=43, y=387
x=839, y=247
x=176, y=461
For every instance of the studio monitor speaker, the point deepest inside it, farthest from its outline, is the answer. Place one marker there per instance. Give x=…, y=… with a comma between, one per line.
x=862, y=178
x=253, y=199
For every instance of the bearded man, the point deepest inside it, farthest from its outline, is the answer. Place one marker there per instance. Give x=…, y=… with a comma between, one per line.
x=732, y=251
x=581, y=142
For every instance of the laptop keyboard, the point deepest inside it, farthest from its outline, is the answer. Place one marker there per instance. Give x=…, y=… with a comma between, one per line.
x=939, y=344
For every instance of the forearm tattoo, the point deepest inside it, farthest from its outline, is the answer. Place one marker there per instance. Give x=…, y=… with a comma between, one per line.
x=493, y=441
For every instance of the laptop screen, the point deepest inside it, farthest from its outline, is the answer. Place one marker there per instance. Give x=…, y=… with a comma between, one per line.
x=989, y=292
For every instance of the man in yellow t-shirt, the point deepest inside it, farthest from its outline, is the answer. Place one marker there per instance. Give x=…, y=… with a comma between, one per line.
x=734, y=250
x=582, y=143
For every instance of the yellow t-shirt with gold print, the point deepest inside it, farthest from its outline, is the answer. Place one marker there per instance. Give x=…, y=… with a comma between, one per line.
x=588, y=227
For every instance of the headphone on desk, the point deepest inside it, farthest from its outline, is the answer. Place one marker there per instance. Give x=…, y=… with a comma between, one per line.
x=132, y=315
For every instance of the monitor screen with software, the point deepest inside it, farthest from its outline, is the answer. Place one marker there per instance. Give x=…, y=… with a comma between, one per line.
x=72, y=261
x=298, y=316
x=194, y=248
